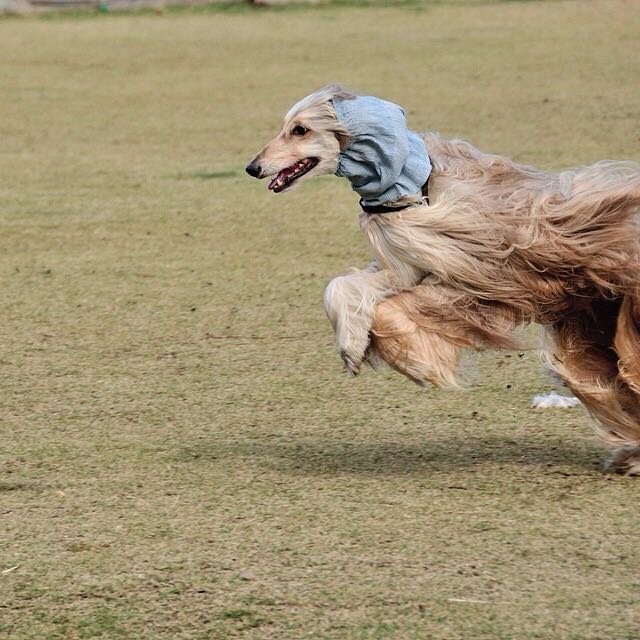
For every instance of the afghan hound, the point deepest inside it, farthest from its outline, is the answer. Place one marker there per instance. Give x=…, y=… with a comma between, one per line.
x=468, y=247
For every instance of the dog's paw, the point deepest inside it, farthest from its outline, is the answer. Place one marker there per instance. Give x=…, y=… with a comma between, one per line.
x=625, y=461
x=360, y=353
x=352, y=343
x=352, y=367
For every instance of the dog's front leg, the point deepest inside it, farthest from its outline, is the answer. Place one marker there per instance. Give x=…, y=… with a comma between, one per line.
x=350, y=301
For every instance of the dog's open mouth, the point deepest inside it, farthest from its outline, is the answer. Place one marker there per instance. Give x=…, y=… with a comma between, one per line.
x=289, y=175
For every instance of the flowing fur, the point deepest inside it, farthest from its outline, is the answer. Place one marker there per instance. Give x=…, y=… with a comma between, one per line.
x=507, y=245
x=501, y=245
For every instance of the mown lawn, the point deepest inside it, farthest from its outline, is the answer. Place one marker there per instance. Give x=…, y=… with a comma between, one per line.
x=180, y=453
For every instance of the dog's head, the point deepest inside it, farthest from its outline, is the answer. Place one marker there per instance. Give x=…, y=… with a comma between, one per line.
x=309, y=144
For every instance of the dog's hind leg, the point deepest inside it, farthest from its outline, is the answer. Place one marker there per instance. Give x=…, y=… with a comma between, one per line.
x=592, y=353
x=627, y=344
x=423, y=331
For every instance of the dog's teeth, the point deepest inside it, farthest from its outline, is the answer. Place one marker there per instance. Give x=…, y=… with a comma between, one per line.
x=288, y=175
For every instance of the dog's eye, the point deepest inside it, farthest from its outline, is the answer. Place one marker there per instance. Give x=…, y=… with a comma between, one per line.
x=299, y=130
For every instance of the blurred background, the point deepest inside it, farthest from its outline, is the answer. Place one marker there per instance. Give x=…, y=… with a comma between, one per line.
x=181, y=455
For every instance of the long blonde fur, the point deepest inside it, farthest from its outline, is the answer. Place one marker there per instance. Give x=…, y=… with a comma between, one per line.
x=499, y=245
x=507, y=245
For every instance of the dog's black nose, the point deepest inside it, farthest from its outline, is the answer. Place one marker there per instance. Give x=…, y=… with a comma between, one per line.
x=253, y=169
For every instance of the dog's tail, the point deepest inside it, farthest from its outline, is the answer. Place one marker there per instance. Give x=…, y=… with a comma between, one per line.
x=597, y=354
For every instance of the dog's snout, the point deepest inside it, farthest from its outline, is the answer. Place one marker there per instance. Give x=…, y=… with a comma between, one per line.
x=253, y=169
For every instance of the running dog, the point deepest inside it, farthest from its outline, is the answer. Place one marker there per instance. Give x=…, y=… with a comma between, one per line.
x=468, y=247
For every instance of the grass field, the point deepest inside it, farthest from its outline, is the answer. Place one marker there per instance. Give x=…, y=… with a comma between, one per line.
x=181, y=455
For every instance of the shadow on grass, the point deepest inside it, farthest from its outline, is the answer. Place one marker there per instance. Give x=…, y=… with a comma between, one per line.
x=397, y=458
x=88, y=8
x=206, y=175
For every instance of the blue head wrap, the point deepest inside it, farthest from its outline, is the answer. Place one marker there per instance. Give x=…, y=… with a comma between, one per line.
x=384, y=160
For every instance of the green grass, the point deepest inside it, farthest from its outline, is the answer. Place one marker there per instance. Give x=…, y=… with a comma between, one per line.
x=181, y=456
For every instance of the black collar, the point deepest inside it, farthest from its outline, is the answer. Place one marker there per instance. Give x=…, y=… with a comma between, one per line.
x=381, y=208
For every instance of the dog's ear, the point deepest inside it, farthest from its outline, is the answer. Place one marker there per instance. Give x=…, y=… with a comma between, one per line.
x=343, y=140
